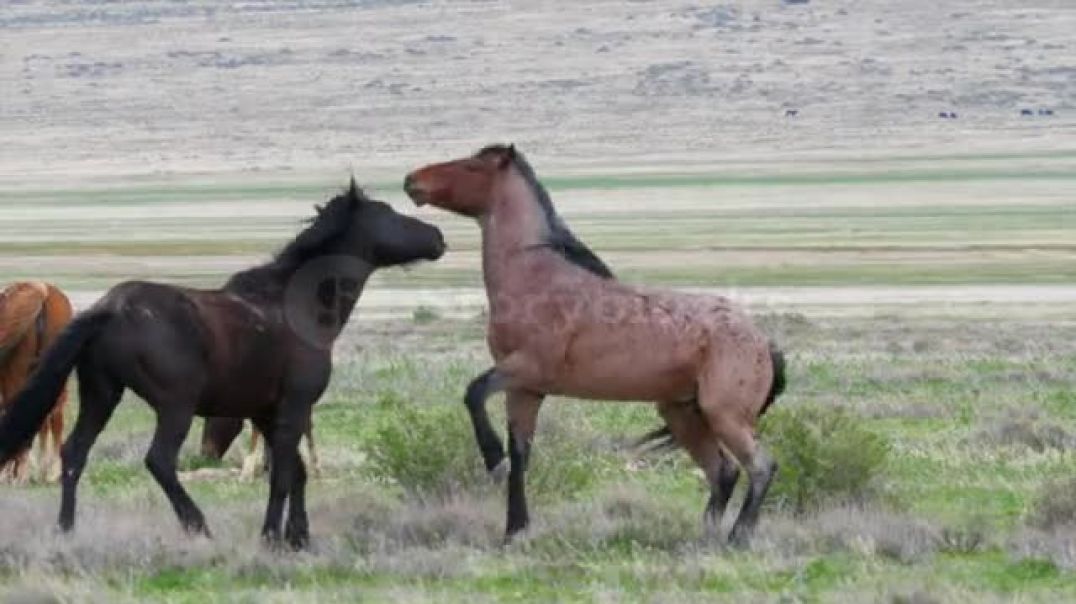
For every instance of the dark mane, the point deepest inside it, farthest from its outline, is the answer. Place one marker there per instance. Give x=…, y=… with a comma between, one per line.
x=331, y=221
x=561, y=239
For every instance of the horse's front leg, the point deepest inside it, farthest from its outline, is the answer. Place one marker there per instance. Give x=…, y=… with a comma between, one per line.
x=478, y=392
x=523, y=409
x=284, y=434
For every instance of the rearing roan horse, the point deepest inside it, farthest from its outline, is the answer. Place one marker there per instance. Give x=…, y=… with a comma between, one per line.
x=560, y=324
x=260, y=348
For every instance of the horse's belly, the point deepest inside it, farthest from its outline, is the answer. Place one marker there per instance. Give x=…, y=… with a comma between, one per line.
x=643, y=384
x=628, y=369
x=242, y=391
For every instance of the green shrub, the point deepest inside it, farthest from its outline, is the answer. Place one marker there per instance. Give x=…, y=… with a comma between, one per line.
x=824, y=456
x=424, y=314
x=431, y=449
x=424, y=448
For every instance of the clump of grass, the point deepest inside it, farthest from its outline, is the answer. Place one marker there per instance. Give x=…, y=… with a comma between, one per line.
x=1027, y=429
x=970, y=536
x=424, y=314
x=824, y=455
x=862, y=529
x=619, y=518
x=1057, y=545
x=431, y=450
x=426, y=449
x=199, y=462
x=1055, y=506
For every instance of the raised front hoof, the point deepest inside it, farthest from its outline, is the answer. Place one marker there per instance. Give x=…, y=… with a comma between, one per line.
x=499, y=473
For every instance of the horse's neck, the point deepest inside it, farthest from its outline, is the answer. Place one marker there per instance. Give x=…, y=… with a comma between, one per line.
x=294, y=287
x=514, y=225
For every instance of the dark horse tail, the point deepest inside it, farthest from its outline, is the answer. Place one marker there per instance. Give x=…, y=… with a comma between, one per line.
x=662, y=437
x=25, y=413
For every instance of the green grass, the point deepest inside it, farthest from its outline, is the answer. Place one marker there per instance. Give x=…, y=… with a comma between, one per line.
x=614, y=531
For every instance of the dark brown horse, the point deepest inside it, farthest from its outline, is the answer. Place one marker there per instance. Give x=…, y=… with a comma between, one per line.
x=560, y=324
x=260, y=348
x=32, y=314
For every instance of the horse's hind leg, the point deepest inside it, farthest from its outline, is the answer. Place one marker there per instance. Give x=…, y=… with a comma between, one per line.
x=760, y=468
x=44, y=451
x=315, y=463
x=54, y=430
x=255, y=460
x=17, y=470
x=732, y=391
x=691, y=430
x=98, y=396
x=737, y=434
x=173, y=424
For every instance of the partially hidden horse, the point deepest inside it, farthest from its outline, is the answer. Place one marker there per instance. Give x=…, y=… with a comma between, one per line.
x=560, y=324
x=258, y=348
x=219, y=433
x=32, y=314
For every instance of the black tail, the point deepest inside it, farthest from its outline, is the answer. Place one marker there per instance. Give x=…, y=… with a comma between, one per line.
x=661, y=438
x=24, y=414
x=778, y=384
x=655, y=440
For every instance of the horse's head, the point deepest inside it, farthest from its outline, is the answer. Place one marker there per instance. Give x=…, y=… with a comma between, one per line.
x=462, y=186
x=387, y=237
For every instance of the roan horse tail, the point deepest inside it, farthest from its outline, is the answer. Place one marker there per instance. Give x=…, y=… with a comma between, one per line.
x=661, y=439
x=26, y=412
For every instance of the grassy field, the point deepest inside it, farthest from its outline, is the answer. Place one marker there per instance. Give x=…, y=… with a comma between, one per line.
x=975, y=403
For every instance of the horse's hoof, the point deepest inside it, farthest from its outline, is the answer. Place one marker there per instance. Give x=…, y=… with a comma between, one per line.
x=739, y=539
x=500, y=472
x=273, y=542
x=299, y=542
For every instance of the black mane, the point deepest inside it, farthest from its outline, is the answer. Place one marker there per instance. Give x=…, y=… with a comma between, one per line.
x=561, y=239
x=331, y=221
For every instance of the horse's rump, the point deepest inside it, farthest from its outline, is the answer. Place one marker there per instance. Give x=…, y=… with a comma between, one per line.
x=20, y=305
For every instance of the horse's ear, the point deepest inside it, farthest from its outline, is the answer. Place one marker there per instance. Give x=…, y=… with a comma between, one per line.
x=354, y=193
x=508, y=157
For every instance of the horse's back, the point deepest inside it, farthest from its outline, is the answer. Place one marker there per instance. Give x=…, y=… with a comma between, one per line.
x=608, y=340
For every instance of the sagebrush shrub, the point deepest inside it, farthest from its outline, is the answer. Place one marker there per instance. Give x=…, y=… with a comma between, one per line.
x=1055, y=505
x=824, y=455
x=424, y=448
x=431, y=449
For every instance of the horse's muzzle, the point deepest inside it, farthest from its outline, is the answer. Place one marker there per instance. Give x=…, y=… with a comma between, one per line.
x=414, y=190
